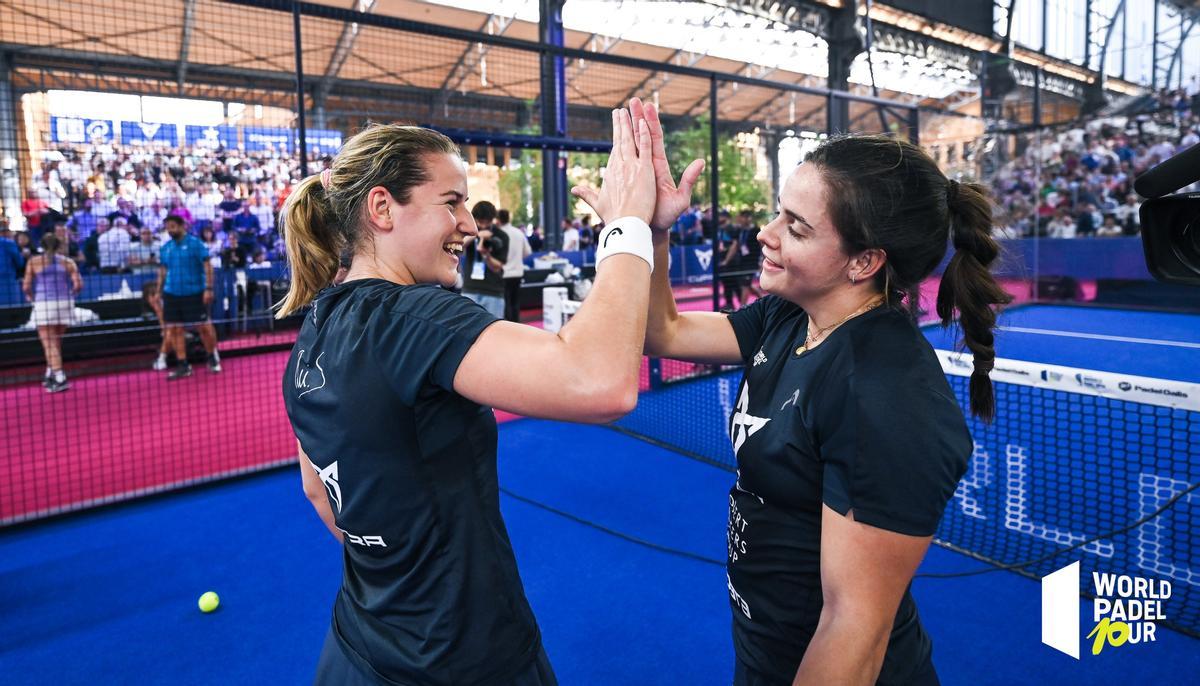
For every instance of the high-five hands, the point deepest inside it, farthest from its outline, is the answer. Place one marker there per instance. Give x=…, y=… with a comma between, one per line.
x=629, y=185
x=670, y=200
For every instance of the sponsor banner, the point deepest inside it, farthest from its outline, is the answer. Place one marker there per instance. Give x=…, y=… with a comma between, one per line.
x=321, y=141
x=145, y=132
x=211, y=137
x=263, y=138
x=77, y=130
x=1138, y=389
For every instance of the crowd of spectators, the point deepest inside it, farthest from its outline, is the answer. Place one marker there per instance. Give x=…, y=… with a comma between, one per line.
x=108, y=204
x=1079, y=182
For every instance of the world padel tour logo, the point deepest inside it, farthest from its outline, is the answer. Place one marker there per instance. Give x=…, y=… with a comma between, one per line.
x=1124, y=612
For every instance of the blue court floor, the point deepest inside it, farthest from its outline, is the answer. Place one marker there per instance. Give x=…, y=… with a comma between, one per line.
x=1156, y=344
x=109, y=597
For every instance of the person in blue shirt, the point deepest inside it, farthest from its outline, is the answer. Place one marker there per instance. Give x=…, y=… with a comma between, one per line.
x=185, y=285
x=10, y=257
x=390, y=390
x=848, y=438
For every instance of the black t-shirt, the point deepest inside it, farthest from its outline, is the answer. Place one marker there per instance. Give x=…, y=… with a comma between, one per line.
x=430, y=594
x=864, y=421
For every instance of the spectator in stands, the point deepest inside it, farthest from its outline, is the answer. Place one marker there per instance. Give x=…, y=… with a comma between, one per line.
x=33, y=208
x=100, y=207
x=152, y=216
x=67, y=245
x=247, y=228
x=261, y=207
x=24, y=247
x=1109, y=228
x=514, y=265
x=185, y=280
x=1085, y=221
x=51, y=283
x=1192, y=137
x=228, y=208
x=208, y=236
x=113, y=246
x=12, y=263
x=126, y=211
x=1129, y=216
x=83, y=221
x=570, y=236
x=143, y=255
x=586, y=236
x=483, y=272
x=260, y=260
x=1062, y=226
x=232, y=255
x=202, y=208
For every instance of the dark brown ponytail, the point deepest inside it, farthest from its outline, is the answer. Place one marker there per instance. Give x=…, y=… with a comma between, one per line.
x=969, y=287
x=886, y=193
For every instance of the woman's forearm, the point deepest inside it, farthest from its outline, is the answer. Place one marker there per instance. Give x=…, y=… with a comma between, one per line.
x=844, y=650
x=660, y=325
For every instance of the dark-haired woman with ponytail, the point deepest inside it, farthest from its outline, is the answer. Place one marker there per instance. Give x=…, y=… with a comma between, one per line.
x=849, y=441
x=390, y=390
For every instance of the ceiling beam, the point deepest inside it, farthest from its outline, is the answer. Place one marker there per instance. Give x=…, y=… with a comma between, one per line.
x=189, y=19
x=341, y=52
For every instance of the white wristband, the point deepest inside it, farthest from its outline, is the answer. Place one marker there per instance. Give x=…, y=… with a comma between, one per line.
x=628, y=235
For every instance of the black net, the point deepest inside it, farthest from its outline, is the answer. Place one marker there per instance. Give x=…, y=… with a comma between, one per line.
x=1055, y=469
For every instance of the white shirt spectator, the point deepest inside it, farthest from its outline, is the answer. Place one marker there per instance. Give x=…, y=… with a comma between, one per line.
x=153, y=217
x=570, y=239
x=518, y=250
x=113, y=248
x=199, y=206
x=1061, y=229
x=102, y=208
x=266, y=218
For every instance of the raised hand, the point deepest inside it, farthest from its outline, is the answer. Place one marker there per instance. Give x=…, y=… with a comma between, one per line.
x=628, y=189
x=670, y=200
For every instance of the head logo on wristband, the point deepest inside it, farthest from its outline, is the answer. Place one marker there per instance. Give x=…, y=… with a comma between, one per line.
x=628, y=235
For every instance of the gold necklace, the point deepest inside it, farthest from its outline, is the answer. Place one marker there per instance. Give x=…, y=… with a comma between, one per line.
x=810, y=338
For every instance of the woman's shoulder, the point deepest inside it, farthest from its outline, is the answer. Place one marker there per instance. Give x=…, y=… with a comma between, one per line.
x=382, y=297
x=888, y=343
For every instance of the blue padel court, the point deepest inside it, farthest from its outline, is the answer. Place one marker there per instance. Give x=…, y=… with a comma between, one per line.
x=621, y=541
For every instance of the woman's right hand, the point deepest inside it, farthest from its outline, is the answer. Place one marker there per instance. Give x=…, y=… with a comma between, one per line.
x=628, y=187
x=671, y=200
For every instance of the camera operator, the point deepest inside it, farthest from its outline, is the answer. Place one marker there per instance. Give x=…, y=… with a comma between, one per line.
x=483, y=270
x=514, y=265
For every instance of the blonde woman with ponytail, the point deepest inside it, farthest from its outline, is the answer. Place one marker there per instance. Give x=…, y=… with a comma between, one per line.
x=848, y=438
x=390, y=390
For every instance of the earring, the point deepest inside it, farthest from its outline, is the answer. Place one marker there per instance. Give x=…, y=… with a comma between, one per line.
x=852, y=280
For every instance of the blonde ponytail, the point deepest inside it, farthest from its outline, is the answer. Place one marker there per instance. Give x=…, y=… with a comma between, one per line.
x=313, y=244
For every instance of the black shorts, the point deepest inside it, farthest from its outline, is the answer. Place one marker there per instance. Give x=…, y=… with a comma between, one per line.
x=184, y=309
x=335, y=669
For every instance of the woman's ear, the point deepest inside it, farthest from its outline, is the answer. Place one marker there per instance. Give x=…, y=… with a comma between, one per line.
x=379, y=208
x=866, y=264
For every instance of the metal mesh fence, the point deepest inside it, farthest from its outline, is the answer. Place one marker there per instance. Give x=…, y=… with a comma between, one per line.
x=195, y=109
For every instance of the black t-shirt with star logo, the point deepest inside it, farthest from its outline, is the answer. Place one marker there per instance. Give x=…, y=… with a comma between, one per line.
x=430, y=593
x=867, y=422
